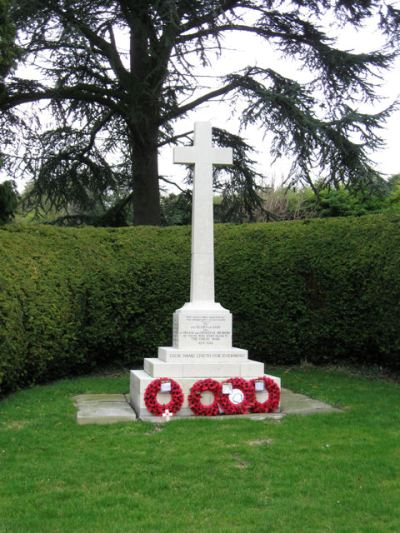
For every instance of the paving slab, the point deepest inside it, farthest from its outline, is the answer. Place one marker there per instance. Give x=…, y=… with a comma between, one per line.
x=103, y=409
x=300, y=404
x=111, y=408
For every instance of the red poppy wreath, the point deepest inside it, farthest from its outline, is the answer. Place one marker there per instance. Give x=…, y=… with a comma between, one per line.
x=274, y=395
x=196, y=391
x=243, y=407
x=150, y=397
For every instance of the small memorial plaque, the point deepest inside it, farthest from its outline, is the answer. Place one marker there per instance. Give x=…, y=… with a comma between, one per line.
x=259, y=386
x=227, y=388
x=165, y=386
x=236, y=396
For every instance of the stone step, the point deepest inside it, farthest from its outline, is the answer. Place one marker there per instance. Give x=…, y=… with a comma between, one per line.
x=158, y=368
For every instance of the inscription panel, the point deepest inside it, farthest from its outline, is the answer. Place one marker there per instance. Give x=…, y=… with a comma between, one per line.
x=212, y=355
x=202, y=330
x=204, y=356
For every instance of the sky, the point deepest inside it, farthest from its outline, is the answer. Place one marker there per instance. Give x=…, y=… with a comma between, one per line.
x=249, y=50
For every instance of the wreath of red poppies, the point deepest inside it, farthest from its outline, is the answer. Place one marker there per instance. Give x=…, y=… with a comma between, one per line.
x=194, y=399
x=274, y=396
x=154, y=406
x=243, y=407
x=221, y=401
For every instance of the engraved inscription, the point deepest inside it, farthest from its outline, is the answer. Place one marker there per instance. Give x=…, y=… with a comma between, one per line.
x=205, y=330
x=203, y=356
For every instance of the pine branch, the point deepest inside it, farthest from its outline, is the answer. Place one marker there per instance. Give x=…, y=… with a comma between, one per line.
x=163, y=178
x=82, y=92
x=182, y=110
x=107, y=49
x=210, y=16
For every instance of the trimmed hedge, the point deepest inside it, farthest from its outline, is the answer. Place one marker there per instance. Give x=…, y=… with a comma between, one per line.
x=325, y=291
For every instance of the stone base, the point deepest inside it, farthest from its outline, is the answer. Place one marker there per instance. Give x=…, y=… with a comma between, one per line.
x=140, y=379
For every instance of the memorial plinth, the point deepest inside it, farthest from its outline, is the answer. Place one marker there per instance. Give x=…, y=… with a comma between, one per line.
x=202, y=328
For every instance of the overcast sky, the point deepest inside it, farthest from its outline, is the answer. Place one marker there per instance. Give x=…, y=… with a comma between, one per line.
x=249, y=50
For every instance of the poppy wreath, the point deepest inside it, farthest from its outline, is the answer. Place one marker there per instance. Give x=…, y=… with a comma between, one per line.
x=274, y=395
x=247, y=388
x=150, y=397
x=196, y=391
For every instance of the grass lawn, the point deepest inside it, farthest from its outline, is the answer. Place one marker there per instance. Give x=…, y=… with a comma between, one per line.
x=337, y=472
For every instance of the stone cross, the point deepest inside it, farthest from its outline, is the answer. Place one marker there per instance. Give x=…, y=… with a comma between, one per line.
x=203, y=156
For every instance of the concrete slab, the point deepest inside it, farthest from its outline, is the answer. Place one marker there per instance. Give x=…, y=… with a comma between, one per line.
x=300, y=404
x=103, y=409
x=111, y=408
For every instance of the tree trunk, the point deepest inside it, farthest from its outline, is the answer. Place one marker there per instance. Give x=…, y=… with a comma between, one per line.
x=146, y=190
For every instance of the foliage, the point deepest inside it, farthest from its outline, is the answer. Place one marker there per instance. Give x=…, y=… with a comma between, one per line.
x=285, y=203
x=8, y=202
x=117, y=75
x=320, y=290
x=289, y=203
x=112, y=211
x=394, y=198
x=176, y=209
x=8, y=49
x=336, y=472
x=327, y=202
x=339, y=203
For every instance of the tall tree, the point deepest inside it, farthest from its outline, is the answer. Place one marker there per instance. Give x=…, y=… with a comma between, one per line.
x=8, y=202
x=8, y=49
x=114, y=107
x=8, y=55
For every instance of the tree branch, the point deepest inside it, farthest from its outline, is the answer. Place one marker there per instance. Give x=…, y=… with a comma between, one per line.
x=194, y=103
x=174, y=138
x=106, y=48
x=224, y=6
x=231, y=27
x=163, y=178
x=69, y=93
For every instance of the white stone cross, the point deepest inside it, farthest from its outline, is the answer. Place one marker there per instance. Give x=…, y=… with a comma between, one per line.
x=203, y=156
x=167, y=415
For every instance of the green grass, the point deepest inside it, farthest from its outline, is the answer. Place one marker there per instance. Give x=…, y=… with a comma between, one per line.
x=337, y=472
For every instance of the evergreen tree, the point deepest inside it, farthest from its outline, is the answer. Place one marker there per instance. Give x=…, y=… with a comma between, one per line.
x=8, y=202
x=8, y=50
x=106, y=100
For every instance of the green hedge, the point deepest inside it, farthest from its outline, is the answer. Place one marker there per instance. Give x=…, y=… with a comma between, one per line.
x=325, y=291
